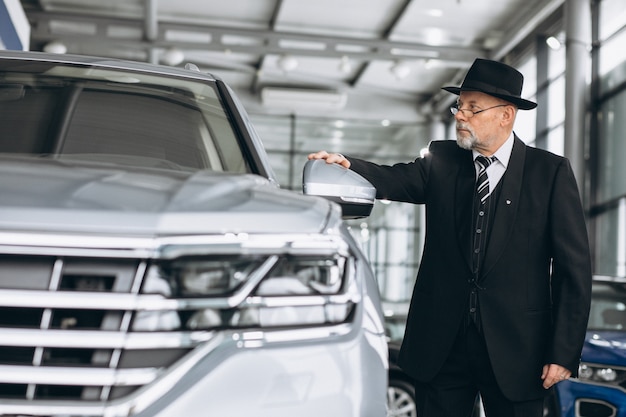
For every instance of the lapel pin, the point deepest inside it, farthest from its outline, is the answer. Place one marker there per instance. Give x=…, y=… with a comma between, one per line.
x=508, y=201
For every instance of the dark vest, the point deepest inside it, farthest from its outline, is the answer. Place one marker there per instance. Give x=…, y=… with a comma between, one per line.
x=484, y=215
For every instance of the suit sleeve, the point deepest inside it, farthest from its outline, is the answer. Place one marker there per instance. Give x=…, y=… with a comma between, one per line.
x=571, y=271
x=405, y=182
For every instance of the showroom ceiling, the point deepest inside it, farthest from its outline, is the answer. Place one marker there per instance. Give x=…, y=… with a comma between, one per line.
x=370, y=55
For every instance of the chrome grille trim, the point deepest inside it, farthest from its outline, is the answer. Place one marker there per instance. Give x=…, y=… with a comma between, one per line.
x=58, y=375
x=99, y=339
x=54, y=408
x=153, y=302
x=86, y=301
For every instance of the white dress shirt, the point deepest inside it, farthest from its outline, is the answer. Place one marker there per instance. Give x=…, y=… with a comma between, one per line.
x=496, y=170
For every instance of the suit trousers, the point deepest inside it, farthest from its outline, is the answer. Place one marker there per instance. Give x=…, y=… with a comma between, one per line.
x=466, y=373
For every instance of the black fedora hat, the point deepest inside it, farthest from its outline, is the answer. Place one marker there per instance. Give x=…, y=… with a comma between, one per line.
x=496, y=79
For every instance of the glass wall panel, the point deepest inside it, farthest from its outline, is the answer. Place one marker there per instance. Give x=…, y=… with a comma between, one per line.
x=556, y=142
x=526, y=121
x=529, y=69
x=612, y=29
x=525, y=125
x=612, y=17
x=612, y=149
x=556, y=102
x=610, y=241
x=612, y=55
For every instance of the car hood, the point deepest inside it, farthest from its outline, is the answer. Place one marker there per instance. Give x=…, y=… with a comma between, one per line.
x=45, y=195
x=605, y=347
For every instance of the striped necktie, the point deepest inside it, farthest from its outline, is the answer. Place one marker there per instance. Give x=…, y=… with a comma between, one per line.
x=482, y=184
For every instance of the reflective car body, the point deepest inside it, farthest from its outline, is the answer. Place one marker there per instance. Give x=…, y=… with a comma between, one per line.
x=600, y=389
x=151, y=266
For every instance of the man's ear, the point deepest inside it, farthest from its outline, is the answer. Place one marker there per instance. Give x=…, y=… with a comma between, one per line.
x=508, y=115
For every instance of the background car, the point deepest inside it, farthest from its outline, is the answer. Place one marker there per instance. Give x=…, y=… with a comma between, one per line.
x=400, y=390
x=600, y=389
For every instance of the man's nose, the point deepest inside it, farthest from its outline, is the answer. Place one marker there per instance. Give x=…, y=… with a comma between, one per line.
x=460, y=115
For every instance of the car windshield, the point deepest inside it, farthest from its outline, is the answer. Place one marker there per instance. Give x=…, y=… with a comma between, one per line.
x=115, y=117
x=608, y=307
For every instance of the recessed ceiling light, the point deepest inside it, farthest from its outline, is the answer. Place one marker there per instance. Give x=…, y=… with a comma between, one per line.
x=434, y=36
x=553, y=43
x=400, y=70
x=173, y=56
x=287, y=63
x=55, y=47
x=345, y=65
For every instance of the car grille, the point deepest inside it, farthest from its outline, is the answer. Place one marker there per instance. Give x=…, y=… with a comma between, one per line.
x=60, y=340
x=84, y=323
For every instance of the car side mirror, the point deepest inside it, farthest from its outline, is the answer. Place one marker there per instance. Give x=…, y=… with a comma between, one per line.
x=352, y=192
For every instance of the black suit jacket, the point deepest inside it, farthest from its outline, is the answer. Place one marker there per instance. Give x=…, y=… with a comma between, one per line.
x=536, y=275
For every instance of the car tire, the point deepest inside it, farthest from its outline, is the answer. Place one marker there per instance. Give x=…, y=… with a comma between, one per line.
x=401, y=399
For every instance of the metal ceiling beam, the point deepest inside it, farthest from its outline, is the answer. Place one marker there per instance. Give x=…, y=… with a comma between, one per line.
x=396, y=19
x=527, y=24
x=275, y=14
x=88, y=29
x=385, y=35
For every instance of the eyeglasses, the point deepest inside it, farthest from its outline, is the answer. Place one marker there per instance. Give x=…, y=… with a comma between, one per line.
x=470, y=113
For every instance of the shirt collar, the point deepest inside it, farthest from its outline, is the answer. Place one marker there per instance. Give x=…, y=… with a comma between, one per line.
x=503, y=153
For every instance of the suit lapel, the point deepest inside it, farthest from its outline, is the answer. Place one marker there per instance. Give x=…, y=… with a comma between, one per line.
x=506, y=206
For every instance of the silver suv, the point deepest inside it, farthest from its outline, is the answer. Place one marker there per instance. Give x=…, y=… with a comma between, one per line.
x=150, y=265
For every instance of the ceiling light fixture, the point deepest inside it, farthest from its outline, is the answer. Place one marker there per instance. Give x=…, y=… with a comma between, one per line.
x=301, y=98
x=434, y=12
x=55, y=47
x=553, y=43
x=345, y=66
x=400, y=70
x=173, y=57
x=287, y=63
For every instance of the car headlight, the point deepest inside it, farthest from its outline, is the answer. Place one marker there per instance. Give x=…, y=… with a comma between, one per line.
x=601, y=374
x=198, y=276
x=213, y=292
